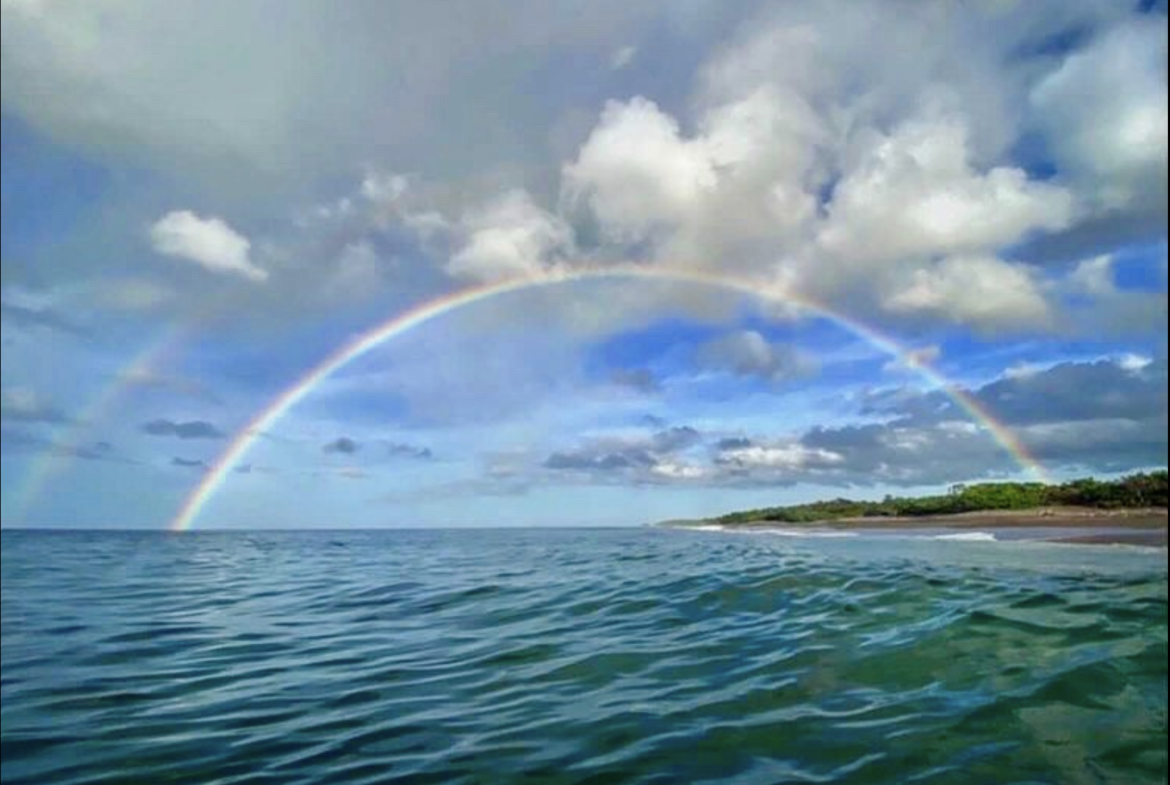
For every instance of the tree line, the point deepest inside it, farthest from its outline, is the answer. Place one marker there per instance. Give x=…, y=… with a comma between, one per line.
x=1130, y=492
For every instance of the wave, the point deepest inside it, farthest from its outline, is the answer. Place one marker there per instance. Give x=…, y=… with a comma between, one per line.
x=967, y=537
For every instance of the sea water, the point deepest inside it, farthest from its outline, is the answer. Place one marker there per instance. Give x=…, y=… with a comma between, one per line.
x=578, y=656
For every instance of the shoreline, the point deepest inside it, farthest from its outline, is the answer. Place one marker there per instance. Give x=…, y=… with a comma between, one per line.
x=1146, y=527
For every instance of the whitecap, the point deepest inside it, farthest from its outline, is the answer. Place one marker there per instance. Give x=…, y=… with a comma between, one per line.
x=968, y=537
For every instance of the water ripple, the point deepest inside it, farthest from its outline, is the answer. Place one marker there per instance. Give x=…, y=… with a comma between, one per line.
x=576, y=657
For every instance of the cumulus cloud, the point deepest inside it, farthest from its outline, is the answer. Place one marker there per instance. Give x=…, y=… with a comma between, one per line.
x=636, y=172
x=748, y=353
x=982, y=292
x=208, y=242
x=1105, y=114
x=191, y=429
x=510, y=237
x=915, y=194
x=1099, y=305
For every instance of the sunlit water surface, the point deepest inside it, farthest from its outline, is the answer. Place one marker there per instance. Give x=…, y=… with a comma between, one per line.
x=582, y=656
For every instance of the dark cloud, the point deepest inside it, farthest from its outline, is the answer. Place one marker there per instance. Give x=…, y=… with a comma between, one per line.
x=410, y=451
x=32, y=411
x=188, y=463
x=748, y=353
x=19, y=439
x=192, y=429
x=1103, y=416
x=609, y=456
x=640, y=379
x=732, y=443
x=674, y=439
x=342, y=445
x=1089, y=417
x=1071, y=391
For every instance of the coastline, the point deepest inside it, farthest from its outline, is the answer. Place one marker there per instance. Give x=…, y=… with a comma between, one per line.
x=1145, y=526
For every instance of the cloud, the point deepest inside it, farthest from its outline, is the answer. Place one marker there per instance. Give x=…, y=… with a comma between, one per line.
x=914, y=359
x=672, y=440
x=188, y=463
x=192, y=429
x=641, y=380
x=636, y=173
x=915, y=194
x=628, y=458
x=985, y=293
x=1098, y=305
x=511, y=237
x=1104, y=110
x=208, y=242
x=623, y=57
x=409, y=451
x=922, y=438
x=748, y=353
x=24, y=404
x=342, y=445
x=45, y=318
x=780, y=457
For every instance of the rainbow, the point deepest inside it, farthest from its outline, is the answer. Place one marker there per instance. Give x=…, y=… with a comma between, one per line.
x=56, y=457
x=215, y=477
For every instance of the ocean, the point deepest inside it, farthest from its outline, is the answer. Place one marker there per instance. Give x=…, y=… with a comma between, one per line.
x=578, y=656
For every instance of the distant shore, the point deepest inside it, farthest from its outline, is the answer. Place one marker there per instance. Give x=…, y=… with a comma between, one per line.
x=1139, y=526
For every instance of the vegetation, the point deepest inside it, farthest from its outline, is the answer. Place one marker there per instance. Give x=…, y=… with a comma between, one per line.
x=1134, y=491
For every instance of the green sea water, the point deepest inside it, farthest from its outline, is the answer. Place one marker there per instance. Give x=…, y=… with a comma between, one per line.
x=577, y=656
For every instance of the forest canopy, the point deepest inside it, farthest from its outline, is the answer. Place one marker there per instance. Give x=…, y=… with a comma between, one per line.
x=1134, y=491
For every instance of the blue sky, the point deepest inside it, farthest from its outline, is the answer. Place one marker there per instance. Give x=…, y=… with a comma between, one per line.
x=195, y=212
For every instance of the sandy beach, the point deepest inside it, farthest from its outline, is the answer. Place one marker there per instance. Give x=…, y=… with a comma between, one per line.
x=1077, y=525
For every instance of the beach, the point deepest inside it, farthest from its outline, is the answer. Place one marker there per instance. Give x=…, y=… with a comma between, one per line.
x=1074, y=525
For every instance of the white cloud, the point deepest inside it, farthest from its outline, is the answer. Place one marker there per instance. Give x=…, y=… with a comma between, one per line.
x=792, y=456
x=1134, y=363
x=914, y=359
x=914, y=193
x=983, y=292
x=1105, y=113
x=623, y=57
x=677, y=471
x=511, y=237
x=636, y=172
x=209, y=242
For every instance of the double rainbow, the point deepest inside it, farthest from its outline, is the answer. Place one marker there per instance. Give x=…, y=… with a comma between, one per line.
x=216, y=476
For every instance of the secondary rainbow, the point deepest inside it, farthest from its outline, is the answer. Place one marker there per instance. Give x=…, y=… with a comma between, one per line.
x=430, y=310
x=57, y=456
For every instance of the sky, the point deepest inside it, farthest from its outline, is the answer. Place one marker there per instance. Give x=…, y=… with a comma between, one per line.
x=870, y=248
